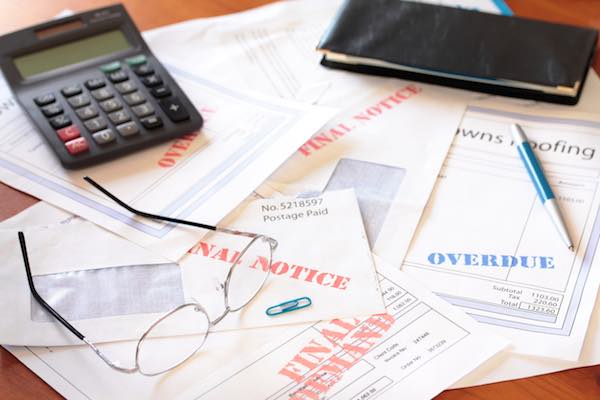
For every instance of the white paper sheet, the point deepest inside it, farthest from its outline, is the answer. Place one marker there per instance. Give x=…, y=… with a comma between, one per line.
x=486, y=244
x=389, y=149
x=201, y=176
x=413, y=351
x=514, y=366
x=507, y=366
x=424, y=346
x=276, y=46
x=322, y=254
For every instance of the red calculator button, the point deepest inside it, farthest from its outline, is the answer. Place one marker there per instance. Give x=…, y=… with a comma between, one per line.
x=77, y=146
x=68, y=133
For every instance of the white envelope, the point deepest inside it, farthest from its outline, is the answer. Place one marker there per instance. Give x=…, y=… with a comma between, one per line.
x=111, y=289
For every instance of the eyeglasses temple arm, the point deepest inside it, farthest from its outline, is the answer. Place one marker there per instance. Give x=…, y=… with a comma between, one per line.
x=145, y=214
x=37, y=296
x=56, y=315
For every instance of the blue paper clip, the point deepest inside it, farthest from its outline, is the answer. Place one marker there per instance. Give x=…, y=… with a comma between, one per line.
x=287, y=306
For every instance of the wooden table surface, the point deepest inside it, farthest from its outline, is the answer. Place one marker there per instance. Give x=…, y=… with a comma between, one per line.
x=17, y=382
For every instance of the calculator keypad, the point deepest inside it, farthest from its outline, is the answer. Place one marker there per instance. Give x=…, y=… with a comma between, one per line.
x=77, y=146
x=80, y=100
x=52, y=110
x=134, y=98
x=143, y=70
x=102, y=94
x=71, y=90
x=69, y=133
x=128, y=129
x=174, y=109
x=125, y=87
x=44, y=99
x=104, y=137
x=152, y=80
x=96, y=83
x=161, y=91
x=151, y=122
x=118, y=76
x=142, y=110
x=118, y=117
x=112, y=106
x=96, y=124
x=86, y=112
x=60, y=121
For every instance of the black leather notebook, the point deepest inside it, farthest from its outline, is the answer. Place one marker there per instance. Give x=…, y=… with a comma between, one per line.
x=455, y=47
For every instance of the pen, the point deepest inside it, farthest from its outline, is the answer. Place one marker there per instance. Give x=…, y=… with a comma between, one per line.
x=534, y=169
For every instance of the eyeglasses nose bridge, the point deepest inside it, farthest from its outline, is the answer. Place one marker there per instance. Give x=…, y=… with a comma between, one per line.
x=220, y=318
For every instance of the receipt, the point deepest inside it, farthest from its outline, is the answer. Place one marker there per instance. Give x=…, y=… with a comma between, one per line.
x=486, y=243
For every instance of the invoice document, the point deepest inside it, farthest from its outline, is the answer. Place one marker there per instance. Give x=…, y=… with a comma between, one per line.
x=512, y=365
x=412, y=351
x=486, y=244
x=200, y=176
x=418, y=348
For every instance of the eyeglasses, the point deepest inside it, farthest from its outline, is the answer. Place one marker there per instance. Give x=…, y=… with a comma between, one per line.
x=155, y=352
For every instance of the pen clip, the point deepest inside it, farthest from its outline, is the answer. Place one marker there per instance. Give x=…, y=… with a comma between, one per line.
x=290, y=305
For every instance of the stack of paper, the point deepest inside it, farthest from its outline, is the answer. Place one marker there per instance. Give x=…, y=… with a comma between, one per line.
x=399, y=209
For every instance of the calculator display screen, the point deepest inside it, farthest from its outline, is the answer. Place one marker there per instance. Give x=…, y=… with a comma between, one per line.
x=71, y=53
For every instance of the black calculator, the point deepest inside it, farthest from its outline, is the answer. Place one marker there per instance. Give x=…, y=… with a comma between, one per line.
x=93, y=88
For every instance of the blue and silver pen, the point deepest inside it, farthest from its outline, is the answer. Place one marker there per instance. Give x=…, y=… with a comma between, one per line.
x=534, y=169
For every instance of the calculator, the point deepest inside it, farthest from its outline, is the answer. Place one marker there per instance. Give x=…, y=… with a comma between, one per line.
x=93, y=88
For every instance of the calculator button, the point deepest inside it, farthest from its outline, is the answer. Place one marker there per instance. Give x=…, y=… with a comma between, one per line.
x=125, y=87
x=60, y=121
x=174, y=109
x=151, y=122
x=79, y=100
x=71, y=90
x=118, y=117
x=151, y=81
x=111, y=105
x=95, y=83
x=136, y=60
x=96, y=124
x=128, y=129
x=52, y=110
x=44, y=99
x=110, y=67
x=118, y=76
x=143, y=70
x=161, y=91
x=102, y=94
x=105, y=136
x=69, y=133
x=134, y=98
x=142, y=110
x=87, y=112
x=77, y=146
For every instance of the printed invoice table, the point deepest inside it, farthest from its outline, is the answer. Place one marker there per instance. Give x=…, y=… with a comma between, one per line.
x=16, y=381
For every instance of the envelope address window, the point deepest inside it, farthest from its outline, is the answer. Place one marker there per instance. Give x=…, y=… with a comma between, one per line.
x=109, y=292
